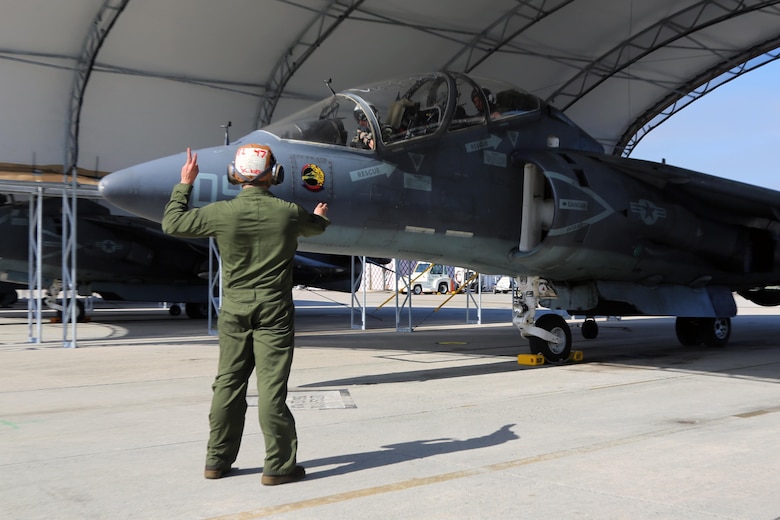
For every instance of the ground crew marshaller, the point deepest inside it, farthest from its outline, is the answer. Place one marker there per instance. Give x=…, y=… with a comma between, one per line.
x=257, y=235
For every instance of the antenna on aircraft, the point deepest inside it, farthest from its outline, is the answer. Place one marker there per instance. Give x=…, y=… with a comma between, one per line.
x=227, y=132
x=327, y=83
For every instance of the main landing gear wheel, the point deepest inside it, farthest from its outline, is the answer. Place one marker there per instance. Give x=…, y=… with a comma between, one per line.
x=81, y=313
x=197, y=310
x=552, y=352
x=713, y=332
x=687, y=330
x=590, y=329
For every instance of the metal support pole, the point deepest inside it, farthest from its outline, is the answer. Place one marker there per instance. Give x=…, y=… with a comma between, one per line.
x=34, y=264
x=477, y=302
x=356, y=302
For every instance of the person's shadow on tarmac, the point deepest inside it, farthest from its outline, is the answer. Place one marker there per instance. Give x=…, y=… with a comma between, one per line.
x=394, y=453
x=402, y=452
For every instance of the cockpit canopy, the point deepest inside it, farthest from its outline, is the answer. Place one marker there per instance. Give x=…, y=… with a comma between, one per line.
x=394, y=111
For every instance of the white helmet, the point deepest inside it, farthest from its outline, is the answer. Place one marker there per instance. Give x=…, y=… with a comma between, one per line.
x=255, y=164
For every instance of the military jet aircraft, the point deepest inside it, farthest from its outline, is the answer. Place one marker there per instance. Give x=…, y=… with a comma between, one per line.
x=478, y=173
x=126, y=258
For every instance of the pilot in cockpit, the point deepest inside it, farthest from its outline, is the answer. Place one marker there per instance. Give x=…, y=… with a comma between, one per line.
x=479, y=96
x=364, y=135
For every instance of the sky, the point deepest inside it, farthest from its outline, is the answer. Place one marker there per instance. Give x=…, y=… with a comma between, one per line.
x=732, y=132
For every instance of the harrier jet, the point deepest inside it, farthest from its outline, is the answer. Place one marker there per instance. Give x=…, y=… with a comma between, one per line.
x=123, y=257
x=477, y=173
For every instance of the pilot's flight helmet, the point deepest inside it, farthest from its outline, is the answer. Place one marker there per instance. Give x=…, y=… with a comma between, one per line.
x=255, y=164
x=361, y=116
x=483, y=93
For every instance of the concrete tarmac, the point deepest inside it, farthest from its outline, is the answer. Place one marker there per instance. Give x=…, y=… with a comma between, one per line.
x=438, y=423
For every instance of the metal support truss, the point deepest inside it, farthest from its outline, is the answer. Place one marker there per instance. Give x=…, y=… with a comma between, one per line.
x=69, y=284
x=101, y=26
x=676, y=28
x=404, y=305
x=465, y=288
x=306, y=42
x=215, y=285
x=498, y=35
x=35, y=266
x=695, y=88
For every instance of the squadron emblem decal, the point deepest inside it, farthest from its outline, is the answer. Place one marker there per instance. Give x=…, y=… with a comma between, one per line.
x=313, y=177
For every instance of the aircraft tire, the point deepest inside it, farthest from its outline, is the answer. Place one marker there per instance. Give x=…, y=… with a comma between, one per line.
x=687, y=330
x=715, y=332
x=590, y=329
x=8, y=298
x=81, y=314
x=196, y=310
x=552, y=352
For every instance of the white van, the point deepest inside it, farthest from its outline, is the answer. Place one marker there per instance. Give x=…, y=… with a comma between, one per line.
x=504, y=284
x=435, y=279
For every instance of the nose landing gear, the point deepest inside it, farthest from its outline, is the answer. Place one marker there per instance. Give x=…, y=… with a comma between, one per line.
x=548, y=335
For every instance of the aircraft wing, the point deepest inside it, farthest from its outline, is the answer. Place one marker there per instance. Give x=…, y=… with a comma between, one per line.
x=734, y=197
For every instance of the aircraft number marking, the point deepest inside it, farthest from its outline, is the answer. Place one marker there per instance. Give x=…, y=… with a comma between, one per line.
x=208, y=186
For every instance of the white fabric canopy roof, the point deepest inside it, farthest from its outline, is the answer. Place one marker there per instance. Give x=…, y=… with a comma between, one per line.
x=108, y=83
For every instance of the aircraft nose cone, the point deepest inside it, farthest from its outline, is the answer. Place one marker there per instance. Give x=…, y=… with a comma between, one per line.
x=143, y=189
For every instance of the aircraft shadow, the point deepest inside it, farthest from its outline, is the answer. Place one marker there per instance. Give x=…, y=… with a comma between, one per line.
x=422, y=375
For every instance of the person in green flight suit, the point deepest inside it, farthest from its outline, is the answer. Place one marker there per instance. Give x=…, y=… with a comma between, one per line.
x=257, y=235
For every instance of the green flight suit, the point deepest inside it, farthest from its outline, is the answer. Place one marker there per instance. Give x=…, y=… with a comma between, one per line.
x=257, y=235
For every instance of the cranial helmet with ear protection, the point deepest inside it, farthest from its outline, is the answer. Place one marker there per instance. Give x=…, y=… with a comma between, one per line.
x=255, y=164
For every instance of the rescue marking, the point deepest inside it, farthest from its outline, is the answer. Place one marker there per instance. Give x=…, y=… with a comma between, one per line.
x=372, y=171
x=492, y=142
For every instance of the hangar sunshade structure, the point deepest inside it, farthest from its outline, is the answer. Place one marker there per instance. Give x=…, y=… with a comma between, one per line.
x=95, y=86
